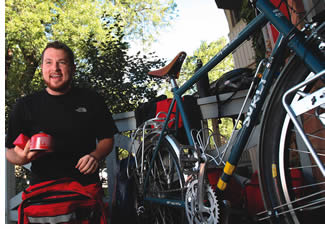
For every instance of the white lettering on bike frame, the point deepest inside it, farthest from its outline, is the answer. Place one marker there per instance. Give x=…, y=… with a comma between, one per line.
x=252, y=106
x=277, y=13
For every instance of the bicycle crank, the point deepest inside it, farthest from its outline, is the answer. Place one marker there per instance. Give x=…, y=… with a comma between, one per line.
x=210, y=212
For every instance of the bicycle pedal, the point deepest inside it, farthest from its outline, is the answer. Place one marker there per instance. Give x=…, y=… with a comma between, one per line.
x=188, y=158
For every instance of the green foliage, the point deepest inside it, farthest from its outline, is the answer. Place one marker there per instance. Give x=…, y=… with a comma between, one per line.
x=205, y=52
x=143, y=19
x=30, y=24
x=22, y=178
x=120, y=78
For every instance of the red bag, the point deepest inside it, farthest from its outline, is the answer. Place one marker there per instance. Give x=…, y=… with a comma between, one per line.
x=163, y=106
x=62, y=201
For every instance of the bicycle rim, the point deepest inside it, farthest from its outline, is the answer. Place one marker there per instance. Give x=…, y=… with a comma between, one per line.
x=291, y=183
x=165, y=186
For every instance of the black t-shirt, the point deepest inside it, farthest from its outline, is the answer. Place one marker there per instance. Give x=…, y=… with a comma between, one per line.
x=76, y=121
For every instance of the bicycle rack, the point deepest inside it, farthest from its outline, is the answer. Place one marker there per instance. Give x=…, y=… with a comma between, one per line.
x=310, y=101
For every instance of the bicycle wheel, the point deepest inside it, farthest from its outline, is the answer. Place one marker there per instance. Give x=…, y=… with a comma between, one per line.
x=293, y=188
x=165, y=189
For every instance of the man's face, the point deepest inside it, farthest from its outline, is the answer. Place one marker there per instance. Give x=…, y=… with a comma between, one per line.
x=57, y=71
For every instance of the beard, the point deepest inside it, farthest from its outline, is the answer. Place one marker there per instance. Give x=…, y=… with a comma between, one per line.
x=64, y=87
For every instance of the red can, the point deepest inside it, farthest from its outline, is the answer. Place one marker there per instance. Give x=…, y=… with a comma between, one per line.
x=41, y=142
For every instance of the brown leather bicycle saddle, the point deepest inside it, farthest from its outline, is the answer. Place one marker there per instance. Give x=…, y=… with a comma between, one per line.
x=172, y=69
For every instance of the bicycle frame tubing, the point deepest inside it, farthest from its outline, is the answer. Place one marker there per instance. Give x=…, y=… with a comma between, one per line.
x=293, y=39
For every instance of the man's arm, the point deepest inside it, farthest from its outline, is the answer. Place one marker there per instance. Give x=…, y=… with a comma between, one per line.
x=89, y=163
x=19, y=156
x=103, y=148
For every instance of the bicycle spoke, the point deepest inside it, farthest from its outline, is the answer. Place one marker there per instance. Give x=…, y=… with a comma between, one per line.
x=308, y=186
x=304, y=151
x=321, y=200
x=301, y=208
x=302, y=167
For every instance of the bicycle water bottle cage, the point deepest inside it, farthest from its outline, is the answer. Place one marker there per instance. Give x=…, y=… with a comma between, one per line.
x=172, y=69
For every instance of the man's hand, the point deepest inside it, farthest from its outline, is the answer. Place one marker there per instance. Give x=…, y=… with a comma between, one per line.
x=21, y=156
x=88, y=164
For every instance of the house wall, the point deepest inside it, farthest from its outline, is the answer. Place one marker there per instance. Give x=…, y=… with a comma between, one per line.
x=244, y=56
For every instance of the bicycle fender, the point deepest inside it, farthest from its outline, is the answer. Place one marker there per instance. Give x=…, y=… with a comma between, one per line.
x=174, y=143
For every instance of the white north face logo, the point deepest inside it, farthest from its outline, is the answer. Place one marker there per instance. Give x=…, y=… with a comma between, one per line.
x=81, y=109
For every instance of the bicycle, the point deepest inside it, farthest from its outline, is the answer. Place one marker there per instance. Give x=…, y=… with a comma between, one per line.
x=171, y=178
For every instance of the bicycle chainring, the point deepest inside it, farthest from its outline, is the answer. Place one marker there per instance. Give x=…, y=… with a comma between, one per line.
x=210, y=213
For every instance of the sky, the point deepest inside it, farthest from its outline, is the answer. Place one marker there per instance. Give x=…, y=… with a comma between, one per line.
x=198, y=20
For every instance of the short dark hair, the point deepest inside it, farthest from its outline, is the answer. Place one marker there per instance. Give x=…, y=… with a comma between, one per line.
x=60, y=45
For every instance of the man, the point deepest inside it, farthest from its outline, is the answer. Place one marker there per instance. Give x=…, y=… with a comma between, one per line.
x=77, y=119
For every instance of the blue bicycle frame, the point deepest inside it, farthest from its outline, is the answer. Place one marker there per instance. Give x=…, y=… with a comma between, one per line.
x=289, y=36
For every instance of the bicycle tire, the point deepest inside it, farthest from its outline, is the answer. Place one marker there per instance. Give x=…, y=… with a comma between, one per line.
x=166, y=181
x=285, y=171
